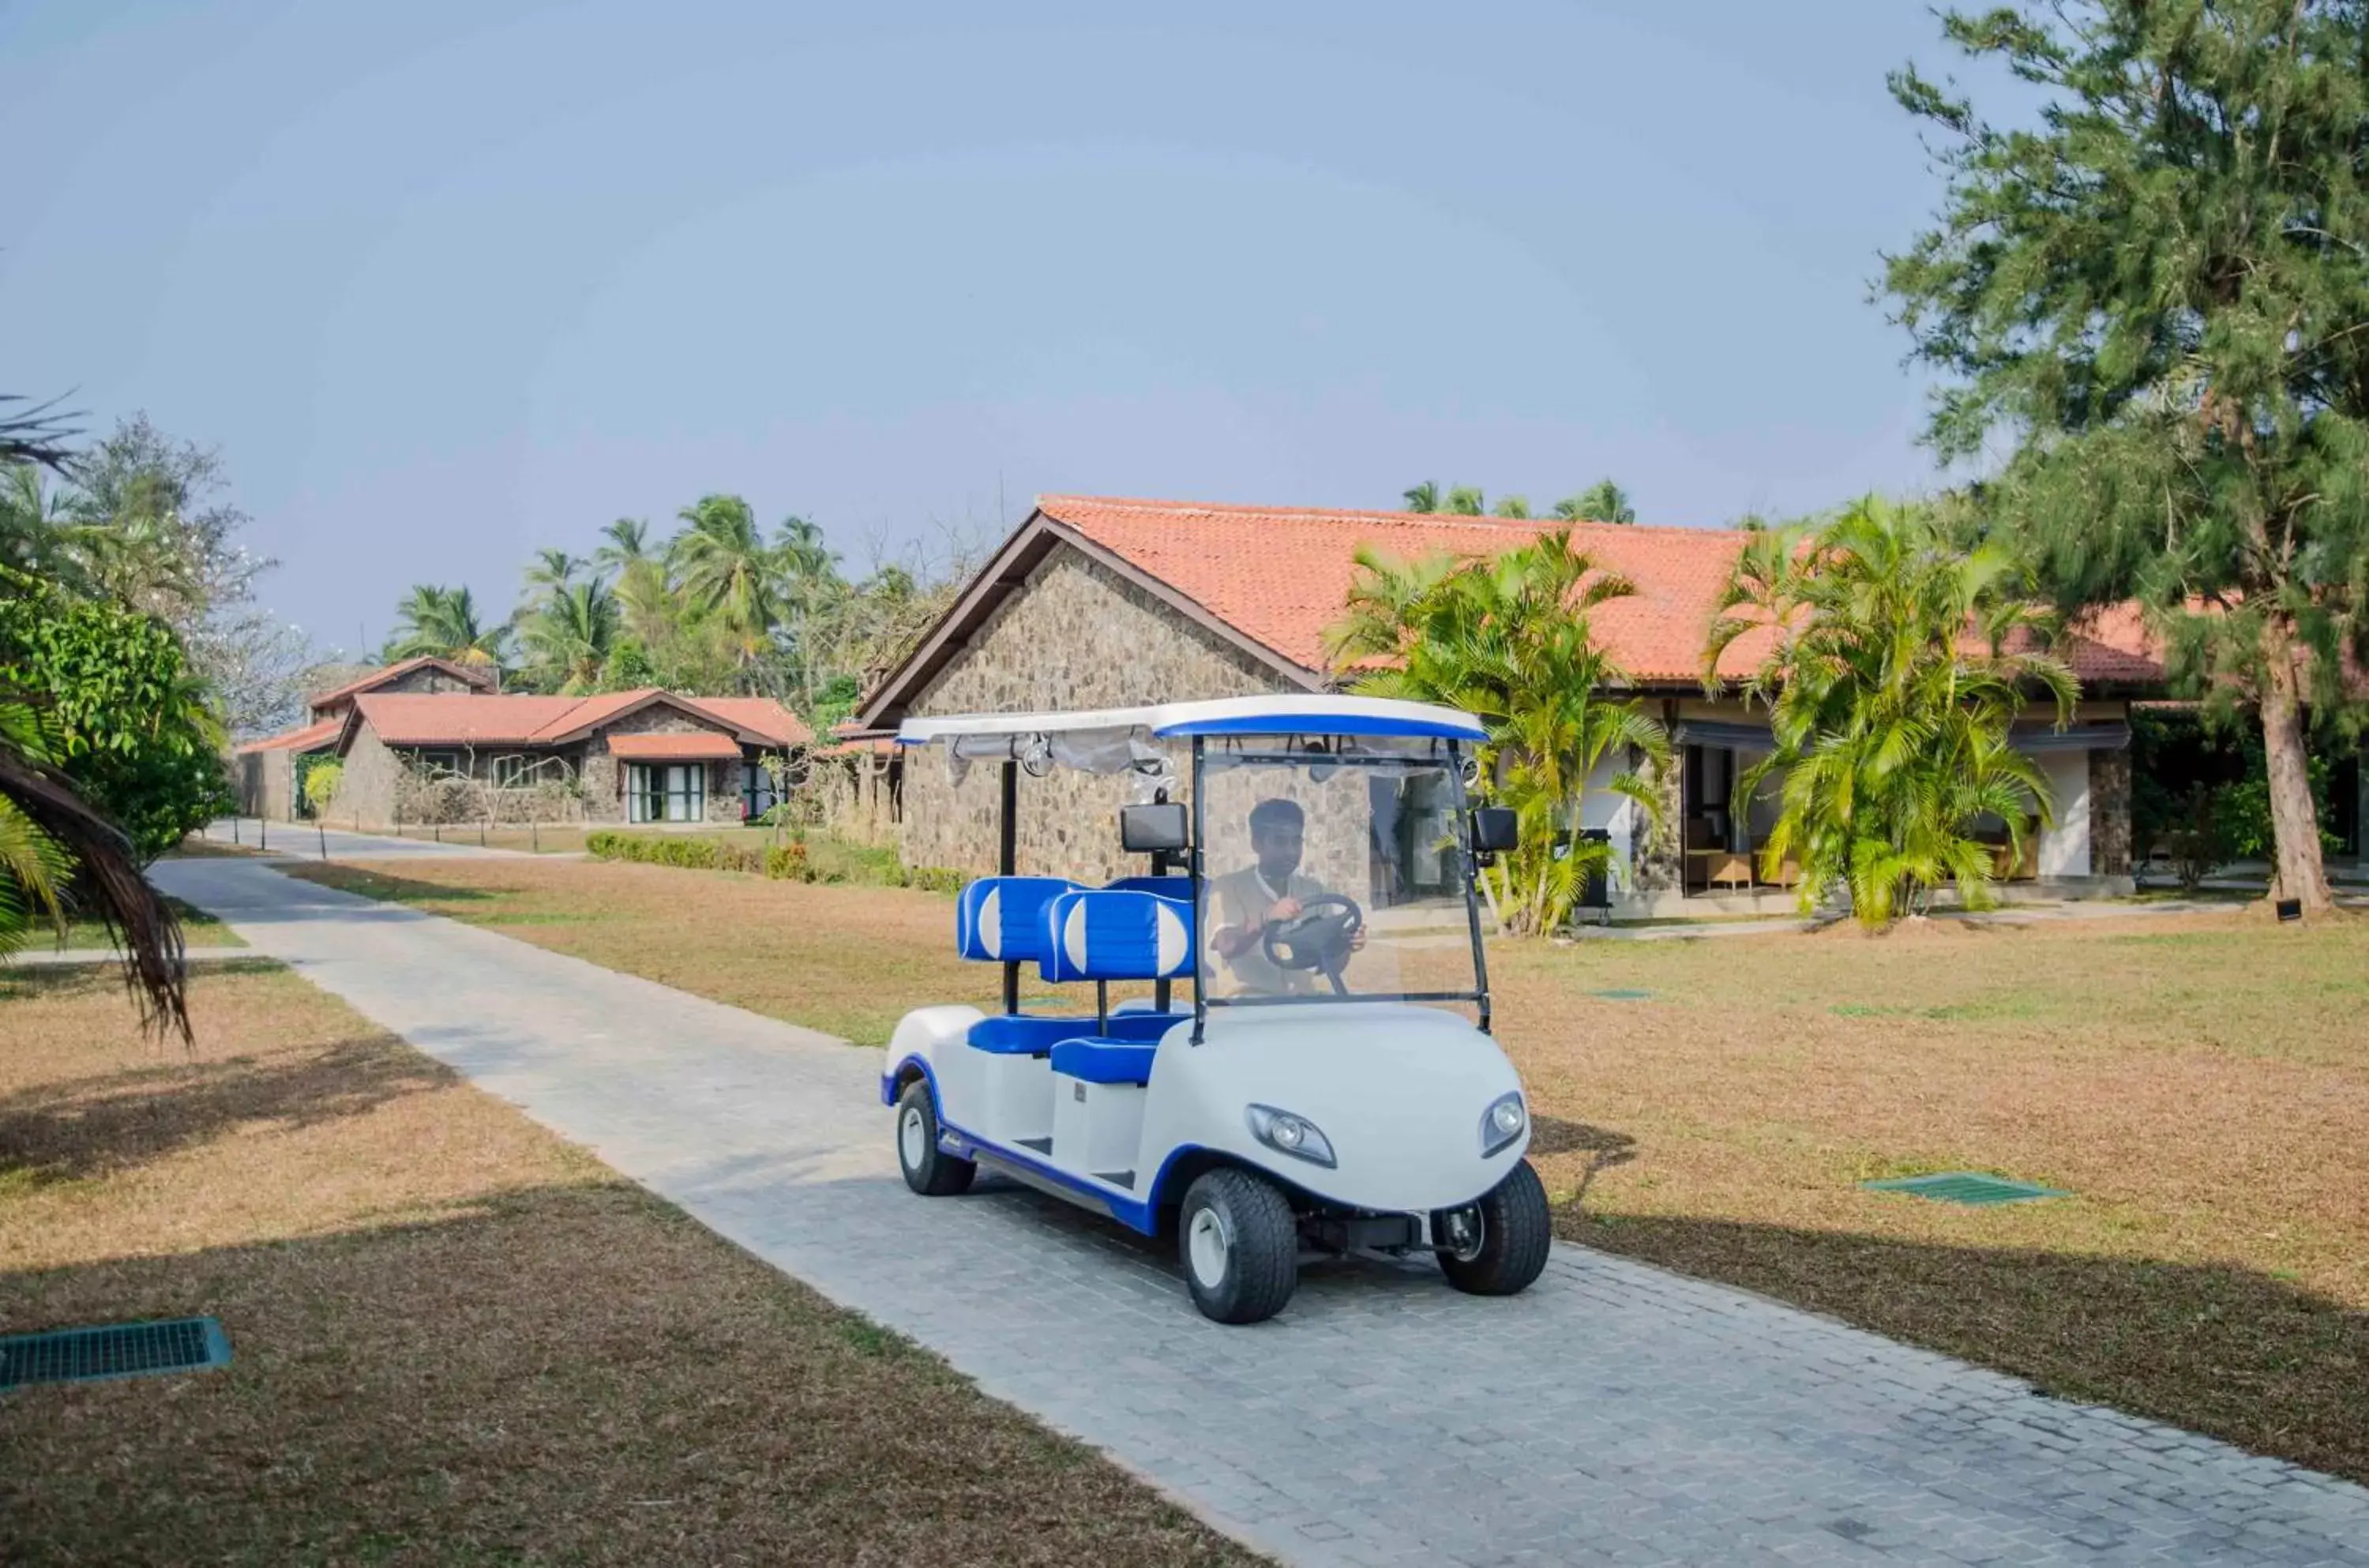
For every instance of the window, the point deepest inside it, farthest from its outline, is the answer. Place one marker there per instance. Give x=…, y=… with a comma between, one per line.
x=666, y=792
x=513, y=771
x=439, y=763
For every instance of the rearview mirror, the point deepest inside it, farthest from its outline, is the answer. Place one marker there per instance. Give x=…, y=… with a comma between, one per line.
x=1152, y=829
x=1495, y=829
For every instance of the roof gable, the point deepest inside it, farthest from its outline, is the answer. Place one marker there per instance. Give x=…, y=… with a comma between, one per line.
x=482, y=679
x=456, y=718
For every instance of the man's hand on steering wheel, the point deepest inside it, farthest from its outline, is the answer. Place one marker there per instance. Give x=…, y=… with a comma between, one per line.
x=1320, y=936
x=1287, y=909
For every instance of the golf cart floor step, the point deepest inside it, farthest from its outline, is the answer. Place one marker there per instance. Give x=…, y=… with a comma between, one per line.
x=1041, y=1145
x=1117, y=1178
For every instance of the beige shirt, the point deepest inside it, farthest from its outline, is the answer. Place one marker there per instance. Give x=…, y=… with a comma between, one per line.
x=1241, y=899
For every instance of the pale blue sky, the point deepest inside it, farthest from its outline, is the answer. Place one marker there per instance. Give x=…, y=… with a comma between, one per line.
x=446, y=288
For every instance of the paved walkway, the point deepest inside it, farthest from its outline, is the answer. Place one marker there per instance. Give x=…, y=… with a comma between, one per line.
x=1614, y=1413
x=304, y=840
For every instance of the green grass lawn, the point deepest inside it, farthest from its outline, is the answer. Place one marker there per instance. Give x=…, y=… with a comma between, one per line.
x=198, y=929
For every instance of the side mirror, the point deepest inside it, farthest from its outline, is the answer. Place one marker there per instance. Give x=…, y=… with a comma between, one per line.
x=1152, y=829
x=1495, y=829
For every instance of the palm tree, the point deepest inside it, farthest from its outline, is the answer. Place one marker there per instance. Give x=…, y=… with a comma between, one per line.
x=1423, y=497
x=1508, y=640
x=1465, y=500
x=569, y=637
x=1515, y=507
x=726, y=572
x=1603, y=501
x=49, y=837
x=553, y=572
x=1897, y=666
x=443, y=622
x=628, y=541
x=810, y=589
x=36, y=435
x=38, y=535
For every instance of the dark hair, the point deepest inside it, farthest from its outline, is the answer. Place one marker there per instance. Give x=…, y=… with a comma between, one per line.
x=1276, y=812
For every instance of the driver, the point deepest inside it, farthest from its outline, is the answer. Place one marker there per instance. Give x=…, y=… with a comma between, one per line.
x=1245, y=903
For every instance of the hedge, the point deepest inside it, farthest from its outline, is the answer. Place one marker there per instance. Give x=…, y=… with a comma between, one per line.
x=792, y=862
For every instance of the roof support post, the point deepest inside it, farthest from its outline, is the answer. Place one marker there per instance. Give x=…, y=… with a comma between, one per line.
x=1007, y=857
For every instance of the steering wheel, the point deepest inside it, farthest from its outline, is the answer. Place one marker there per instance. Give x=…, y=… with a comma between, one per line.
x=1317, y=938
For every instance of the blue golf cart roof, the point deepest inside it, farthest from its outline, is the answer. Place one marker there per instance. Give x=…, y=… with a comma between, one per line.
x=1300, y=714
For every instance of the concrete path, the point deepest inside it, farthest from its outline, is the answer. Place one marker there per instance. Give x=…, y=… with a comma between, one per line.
x=44, y=958
x=303, y=840
x=1614, y=1413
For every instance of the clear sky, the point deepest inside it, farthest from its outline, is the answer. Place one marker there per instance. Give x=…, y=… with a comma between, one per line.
x=449, y=282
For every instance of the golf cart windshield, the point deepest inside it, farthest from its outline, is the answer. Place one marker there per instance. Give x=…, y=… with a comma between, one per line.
x=1333, y=870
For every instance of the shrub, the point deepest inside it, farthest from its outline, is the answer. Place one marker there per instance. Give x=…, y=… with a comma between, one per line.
x=938, y=878
x=320, y=781
x=688, y=853
x=788, y=863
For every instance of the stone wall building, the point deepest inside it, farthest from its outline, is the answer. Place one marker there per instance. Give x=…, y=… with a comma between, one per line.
x=1096, y=603
x=418, y=746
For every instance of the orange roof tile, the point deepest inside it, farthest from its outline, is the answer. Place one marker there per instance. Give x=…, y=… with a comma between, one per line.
x=675, y=746
x=470, y=718
x=476, y=676
x=1281, y=576
x=311, y=737
x=760, y=716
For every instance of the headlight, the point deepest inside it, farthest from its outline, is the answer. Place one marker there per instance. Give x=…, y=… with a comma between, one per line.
x=1501, y=1123
x=1287, y=1134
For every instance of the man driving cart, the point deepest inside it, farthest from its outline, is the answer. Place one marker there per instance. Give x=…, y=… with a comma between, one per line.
x=1263, y=907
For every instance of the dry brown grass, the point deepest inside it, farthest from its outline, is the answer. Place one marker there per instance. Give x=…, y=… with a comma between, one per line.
x=2200, y=1083
x=457, y=1338
x=198, y=929
x=847, y=960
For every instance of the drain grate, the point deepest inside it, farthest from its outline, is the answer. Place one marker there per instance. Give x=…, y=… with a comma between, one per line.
x=1619, y=995
x=112, y=1350
x=1964, y=1186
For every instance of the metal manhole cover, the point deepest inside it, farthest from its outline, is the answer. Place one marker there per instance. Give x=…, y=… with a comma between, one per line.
x=1964, y=1186
x=112, y=1350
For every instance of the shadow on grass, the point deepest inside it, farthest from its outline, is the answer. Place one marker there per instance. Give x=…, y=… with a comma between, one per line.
x=82, y=1127
x=560, y=1374
x=2244, y=1357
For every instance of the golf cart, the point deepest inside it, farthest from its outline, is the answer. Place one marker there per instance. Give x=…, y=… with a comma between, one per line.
x=1331, y=1087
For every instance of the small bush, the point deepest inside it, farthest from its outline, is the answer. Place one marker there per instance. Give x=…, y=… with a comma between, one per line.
x=688, y=853
x=788, y=863
x=938, y=878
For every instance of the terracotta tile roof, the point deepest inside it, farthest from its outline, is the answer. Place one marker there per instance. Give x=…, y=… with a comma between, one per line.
x=311, y=737
x=483, y=718
x=760, y=716
x=675, y=746
x=1281, y=576
x=473, y=674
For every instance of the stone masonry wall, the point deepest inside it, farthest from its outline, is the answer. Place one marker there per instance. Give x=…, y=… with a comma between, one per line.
x=604, y=775
x=366, y=787
x=1075, y=635
x=2109, y=813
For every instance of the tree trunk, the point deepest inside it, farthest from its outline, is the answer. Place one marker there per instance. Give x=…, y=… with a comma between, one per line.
x=2296, y=870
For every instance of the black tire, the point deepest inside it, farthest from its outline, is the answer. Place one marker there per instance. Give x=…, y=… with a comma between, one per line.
x=928, y=1170
x=1250, y=1241
x=1515, y=1231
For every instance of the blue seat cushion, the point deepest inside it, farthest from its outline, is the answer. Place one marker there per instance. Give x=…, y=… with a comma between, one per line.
x=1001, y=919
x=1177, y=887
x=1099, y=934
x=1024, y=1034
x=1104, y=1060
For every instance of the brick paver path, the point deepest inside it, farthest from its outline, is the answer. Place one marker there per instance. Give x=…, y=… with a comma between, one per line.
x=1614, y=1413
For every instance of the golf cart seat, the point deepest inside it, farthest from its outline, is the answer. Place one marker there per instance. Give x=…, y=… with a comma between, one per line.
x=1105, y=1060
x=1029, y=1034
x=1001, y=919
x=1177, y=887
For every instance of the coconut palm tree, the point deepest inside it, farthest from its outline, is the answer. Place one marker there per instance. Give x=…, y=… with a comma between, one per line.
x=553, y=572
x=1423, y=497
x=1466, y=500
x=443, y=622
x=569, y=637
x=1514, y=507
x=1508, y=640
x=1897, y=666
x=726, y=571
x=1603, y=501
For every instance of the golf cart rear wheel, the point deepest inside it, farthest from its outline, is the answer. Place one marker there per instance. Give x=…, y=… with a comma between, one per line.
x=928, y=1170
x=1515, y=1235
x=1239, y=1246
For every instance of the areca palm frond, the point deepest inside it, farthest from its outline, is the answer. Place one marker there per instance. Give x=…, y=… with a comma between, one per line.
x=1508, y=639
x=1893, y=665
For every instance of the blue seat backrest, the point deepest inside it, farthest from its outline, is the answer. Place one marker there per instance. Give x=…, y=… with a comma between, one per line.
x=1001, y=919
x=1101, y=934
x=1166, y=887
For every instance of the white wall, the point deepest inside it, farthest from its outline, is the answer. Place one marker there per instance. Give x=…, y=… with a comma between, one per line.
x=1599, y=807
x=2065, y=849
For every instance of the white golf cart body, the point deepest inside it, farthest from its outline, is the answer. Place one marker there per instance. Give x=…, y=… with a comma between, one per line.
x=1370, y=1094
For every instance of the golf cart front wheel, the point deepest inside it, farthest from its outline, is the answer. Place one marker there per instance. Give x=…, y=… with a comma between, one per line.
x=928, y=1170
x=1515, y=1234
x=1239, y=1246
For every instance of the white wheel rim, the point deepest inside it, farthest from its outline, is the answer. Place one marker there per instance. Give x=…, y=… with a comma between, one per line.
x=1207, y=1245
x=913, y=1138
